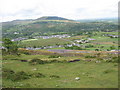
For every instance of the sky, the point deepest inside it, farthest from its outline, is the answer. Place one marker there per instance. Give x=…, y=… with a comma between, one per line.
x=70, y=9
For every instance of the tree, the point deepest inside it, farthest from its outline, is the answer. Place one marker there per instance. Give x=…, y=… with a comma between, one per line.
x=10, y=46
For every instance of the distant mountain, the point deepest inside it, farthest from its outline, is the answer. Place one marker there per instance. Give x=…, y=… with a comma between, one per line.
x=41, y=19
x=51, y=18
x=99, y=20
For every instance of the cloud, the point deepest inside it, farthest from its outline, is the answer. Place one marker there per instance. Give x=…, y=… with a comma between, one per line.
x=71, y=9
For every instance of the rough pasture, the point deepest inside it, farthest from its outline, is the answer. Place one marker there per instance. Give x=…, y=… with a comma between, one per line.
x=61, y=75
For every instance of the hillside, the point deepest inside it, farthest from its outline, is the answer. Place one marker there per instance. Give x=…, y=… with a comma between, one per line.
x=50, y=26
x=52, y=18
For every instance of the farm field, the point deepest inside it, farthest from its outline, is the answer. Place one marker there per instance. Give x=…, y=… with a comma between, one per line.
x=42, y=42
x=100, y=42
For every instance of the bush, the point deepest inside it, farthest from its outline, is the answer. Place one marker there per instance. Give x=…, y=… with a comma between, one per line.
x=26, y=53
x=90, y=56
x=7, y=73
x=54, y=61
x=108, y=71
x=39, y=75
x=37, y=61
x=113, y=60
x=54, y=56
x=55, y=76
x=20, y=76
x=74, y=48
x=10, y=74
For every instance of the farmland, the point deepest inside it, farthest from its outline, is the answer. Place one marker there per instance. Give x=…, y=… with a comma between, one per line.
x=99, y=41
x=43, y=42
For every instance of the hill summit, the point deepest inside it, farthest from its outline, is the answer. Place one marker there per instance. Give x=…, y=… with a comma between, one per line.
x=52, y=18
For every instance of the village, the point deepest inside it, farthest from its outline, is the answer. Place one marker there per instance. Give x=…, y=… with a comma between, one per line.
x=76, y=42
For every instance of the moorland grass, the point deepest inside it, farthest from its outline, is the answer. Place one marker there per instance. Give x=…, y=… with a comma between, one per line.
x=62, y=75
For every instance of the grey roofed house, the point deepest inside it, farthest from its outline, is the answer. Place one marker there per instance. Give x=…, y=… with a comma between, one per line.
x=53, y=36
x=115, y=36
x=1, y=47
x=30, y=48
x=19, y=39
x=91, y=39
x=1, y=42
x=16, y=33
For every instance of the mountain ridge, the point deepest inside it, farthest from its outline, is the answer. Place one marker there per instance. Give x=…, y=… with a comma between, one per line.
x=51, y=18
x=40, y=18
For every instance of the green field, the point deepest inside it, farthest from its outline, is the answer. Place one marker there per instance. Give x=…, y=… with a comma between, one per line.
x=100, y=41
x=42, y=42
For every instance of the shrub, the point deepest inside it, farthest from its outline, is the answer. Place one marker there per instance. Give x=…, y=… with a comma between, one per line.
x=54, y=61
x=57, y=61
x=10, y=74
x=20, y=76
x=55, y=76
x=26, y=53
x=75, y=48
x=7, y=73
x=96, y=49
x=14, y=59
x=37, y=61
x=39, y=75
x=54, y=56
x=8, y=70
x=113, y=60
x=108, y=71
x=88, y=56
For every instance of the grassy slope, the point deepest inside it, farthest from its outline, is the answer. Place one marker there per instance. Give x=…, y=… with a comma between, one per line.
x=90, y=73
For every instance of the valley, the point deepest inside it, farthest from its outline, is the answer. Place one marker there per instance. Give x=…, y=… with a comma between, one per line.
x=55, y=52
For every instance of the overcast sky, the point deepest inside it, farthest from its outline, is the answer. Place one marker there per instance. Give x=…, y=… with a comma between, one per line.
x=71, y=9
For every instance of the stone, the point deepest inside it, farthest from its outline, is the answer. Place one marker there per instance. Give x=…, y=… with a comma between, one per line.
x=77, y=78
x=57, y=86
x=35, y=69
x=97, y=61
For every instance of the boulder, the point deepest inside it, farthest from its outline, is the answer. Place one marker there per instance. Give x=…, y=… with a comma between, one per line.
x=97, y=61
x=77, y=78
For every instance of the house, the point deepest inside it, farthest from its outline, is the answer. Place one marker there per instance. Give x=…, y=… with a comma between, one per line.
x=16, y=33
x=53, y=36
x=90, y=39
x=1, y=47
x=110, y=35
x=19, y=39
x=1, y=42
x=69, y=45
